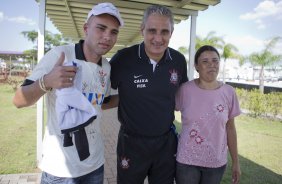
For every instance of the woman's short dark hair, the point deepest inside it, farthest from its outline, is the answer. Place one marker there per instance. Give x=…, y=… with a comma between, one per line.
x=203, y=49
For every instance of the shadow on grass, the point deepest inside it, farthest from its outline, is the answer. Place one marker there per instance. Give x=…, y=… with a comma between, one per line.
x=252, y=173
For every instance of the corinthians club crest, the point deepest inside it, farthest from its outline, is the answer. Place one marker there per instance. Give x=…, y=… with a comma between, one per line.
x=124, y=163
x=102, y=75
x=173, y=76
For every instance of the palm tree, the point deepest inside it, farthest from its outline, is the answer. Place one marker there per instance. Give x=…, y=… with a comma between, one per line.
x=229, y=51
x=265, y=58
x=210, y=39
x=51, y=40
x=183, y=50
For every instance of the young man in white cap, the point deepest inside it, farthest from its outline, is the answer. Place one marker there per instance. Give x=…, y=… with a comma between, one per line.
x=65, y=160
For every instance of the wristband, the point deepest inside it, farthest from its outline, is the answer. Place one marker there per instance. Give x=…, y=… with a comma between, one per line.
x=42, y=85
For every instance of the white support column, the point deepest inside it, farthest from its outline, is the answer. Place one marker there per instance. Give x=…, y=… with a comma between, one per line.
x=40, y=54
x=192, y=47
x=10, y=67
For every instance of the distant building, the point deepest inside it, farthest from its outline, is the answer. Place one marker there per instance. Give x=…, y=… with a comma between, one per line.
x=11, y=55
x=249, y=72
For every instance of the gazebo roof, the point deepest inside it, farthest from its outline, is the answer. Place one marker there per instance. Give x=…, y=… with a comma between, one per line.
x=69, y=16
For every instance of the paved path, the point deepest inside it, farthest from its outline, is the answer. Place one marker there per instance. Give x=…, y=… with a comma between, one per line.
x=110, y=127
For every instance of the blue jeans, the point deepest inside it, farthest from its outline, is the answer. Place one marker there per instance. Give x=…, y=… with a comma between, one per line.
x=95, y=177
x=189, y=174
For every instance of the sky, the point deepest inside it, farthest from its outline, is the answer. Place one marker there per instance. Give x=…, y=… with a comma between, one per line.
x=246, y=24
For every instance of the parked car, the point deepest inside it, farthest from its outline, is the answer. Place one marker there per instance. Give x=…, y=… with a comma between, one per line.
x=279, y=78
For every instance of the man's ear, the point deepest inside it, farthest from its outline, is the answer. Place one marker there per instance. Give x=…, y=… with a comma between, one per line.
x=141, y=30
x=85, y=26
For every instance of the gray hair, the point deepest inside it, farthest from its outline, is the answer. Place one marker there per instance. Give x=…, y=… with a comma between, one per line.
x=160, y=10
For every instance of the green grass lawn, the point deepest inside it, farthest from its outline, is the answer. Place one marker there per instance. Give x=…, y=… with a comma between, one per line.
x=17, y=135
x=260, y=150
x=259, y=143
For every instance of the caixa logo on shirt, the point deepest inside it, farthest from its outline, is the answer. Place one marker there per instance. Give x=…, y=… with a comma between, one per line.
x=139, y=81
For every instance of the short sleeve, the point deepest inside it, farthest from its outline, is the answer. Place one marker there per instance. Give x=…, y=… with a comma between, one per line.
x=184, y=77
x=115, y=70
x=235, y=107
x=108, y=87
x=45, y=65
x=179, y=99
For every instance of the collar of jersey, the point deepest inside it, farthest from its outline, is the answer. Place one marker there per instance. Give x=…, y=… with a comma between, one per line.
x=143, y=56
x=79, y=52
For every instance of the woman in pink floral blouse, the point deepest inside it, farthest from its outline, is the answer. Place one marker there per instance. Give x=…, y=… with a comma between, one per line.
x=208, y=109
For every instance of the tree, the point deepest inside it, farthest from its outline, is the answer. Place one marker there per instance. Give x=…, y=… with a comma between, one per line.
x=229, y=51
x=183, y=50
x=31, y=55
x=210, y=39
x=51, y=40
x=265, y=58
x=30, y=35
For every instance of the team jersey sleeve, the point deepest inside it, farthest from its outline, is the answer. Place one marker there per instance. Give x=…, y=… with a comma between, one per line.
x=46, y=64
x=115, y=67
x=184, y=77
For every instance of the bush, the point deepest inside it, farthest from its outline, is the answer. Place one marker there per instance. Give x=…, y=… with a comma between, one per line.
x=258, y=104
x=242, y=97
x=273, y=101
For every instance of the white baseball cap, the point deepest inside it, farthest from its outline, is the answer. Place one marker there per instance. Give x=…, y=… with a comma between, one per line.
x=105, y=8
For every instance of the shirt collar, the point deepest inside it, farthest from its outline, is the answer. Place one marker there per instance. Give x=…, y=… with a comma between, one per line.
x=79, y=54
x=143, y=56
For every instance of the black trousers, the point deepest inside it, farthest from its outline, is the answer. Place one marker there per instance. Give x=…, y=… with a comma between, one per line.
x=139, y=157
